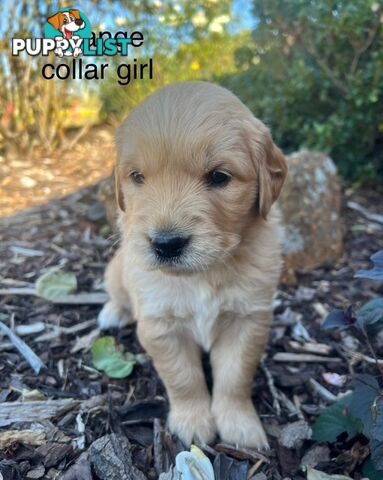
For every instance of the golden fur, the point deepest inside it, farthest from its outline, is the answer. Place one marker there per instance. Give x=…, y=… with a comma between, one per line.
x=218, y=298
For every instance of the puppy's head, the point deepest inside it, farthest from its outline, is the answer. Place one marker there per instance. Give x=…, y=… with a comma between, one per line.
x=195, y=171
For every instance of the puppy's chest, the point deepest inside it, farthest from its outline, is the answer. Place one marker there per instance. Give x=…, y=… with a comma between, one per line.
x=193, y=303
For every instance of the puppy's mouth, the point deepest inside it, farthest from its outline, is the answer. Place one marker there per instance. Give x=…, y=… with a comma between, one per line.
x=170, y=264
x=176, y=267
x=188, y=263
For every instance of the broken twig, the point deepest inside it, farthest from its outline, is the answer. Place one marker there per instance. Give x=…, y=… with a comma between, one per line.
x=303, y=357
x=98, y=298
x=29, y=355
x=272, y=388
x=373, y=217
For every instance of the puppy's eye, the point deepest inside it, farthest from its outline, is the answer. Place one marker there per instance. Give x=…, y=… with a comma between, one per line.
x=218, y=178
x=65, y=20
x=137, y=178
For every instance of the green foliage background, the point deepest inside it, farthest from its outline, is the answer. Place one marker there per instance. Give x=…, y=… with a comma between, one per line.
x=315, y=75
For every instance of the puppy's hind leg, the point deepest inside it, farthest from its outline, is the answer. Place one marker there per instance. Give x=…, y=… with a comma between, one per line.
x=116, y=312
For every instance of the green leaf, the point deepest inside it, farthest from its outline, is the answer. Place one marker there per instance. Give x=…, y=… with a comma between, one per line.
x=370, y=316
x=376, y=273
x=377, y=415
x=366, y=392
x=370, y=471
x=55, y=284
x=334, y=421
x=110, y=359
x=376, y=448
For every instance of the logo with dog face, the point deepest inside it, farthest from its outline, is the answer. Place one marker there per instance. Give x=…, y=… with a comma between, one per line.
x=68, y=24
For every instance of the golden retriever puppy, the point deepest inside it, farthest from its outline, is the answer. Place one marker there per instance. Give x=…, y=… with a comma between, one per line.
x=200, y=257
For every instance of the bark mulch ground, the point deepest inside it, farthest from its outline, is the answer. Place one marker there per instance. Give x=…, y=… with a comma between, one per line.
x=72, y=422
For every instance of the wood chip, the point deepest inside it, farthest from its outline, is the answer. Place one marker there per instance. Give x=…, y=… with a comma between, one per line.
x=12, y=412
x=241, y=453
x=53, y=452
x=26, y=437
x=36, y=473
x=172, y=474
x=111, y=459
x=85, y=343
x=80, y=470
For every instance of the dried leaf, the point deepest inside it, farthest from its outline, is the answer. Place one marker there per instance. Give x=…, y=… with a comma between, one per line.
x=194, y=464
x=55, y=284
x=26, y=437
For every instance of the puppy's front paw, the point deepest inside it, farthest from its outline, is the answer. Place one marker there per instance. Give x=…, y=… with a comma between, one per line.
x=112, y=316
x=192, y=423
x=239, y=424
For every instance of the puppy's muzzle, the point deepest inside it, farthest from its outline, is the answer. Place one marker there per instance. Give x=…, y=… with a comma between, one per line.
x=169, y=245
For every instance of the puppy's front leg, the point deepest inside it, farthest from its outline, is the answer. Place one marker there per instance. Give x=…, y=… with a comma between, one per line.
x=234, y=357
x=177, y=359
x=116, y=312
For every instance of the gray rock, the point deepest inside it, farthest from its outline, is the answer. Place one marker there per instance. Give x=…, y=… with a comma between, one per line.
x=311, y=205
x=316, y=454
x=293, y=434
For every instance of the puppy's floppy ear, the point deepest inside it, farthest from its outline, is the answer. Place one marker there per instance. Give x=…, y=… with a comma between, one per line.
x=75, y=13
x=55, y=20
x=269, y=162
x=119, y=194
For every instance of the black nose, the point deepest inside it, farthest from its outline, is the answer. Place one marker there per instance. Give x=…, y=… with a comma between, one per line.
x=78, y=22
x=169, y=245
